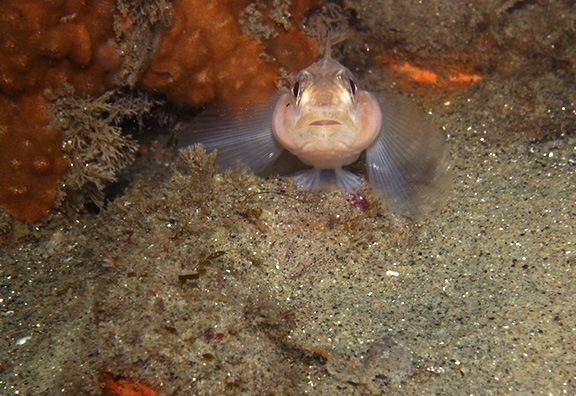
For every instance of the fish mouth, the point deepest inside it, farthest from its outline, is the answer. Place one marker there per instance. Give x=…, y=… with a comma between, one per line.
x=325, y=123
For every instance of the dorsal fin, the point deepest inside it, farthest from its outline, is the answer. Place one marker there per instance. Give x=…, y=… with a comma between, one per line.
x=332, y=37
x=328, y=48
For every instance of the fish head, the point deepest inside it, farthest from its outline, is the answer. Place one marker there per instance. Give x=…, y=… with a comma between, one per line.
x=325, y=119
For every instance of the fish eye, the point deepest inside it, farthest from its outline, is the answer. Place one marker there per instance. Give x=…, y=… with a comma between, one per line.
x=296, y=89
x=353, y=87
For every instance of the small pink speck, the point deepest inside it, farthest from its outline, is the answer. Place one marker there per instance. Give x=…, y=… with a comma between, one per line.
x=359, y=202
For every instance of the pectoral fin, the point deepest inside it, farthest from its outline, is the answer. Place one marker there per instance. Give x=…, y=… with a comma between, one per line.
x=409, y=163
x=327, y=179
x=243, y=136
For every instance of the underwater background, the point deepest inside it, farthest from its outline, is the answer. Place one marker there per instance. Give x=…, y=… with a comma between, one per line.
x=128, y=268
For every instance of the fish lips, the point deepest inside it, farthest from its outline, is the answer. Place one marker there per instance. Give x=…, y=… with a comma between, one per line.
x=322, y=123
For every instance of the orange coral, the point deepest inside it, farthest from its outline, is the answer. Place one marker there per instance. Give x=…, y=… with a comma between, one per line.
x=30, y=158
x=446, y=79
x=205, y=56
x=120, y=386
x=42, y=46
x=292, y=49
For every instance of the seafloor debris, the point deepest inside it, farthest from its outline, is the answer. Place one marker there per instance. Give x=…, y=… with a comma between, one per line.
x=383, y=358
x=95, y=143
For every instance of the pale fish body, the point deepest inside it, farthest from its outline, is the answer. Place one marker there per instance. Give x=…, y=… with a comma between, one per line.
x=327, y=122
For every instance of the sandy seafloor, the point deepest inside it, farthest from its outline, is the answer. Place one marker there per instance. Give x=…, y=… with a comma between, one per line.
x=479, y=299
x=208, y=284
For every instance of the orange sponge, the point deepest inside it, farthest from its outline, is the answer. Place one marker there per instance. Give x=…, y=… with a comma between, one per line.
x=44, y=45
